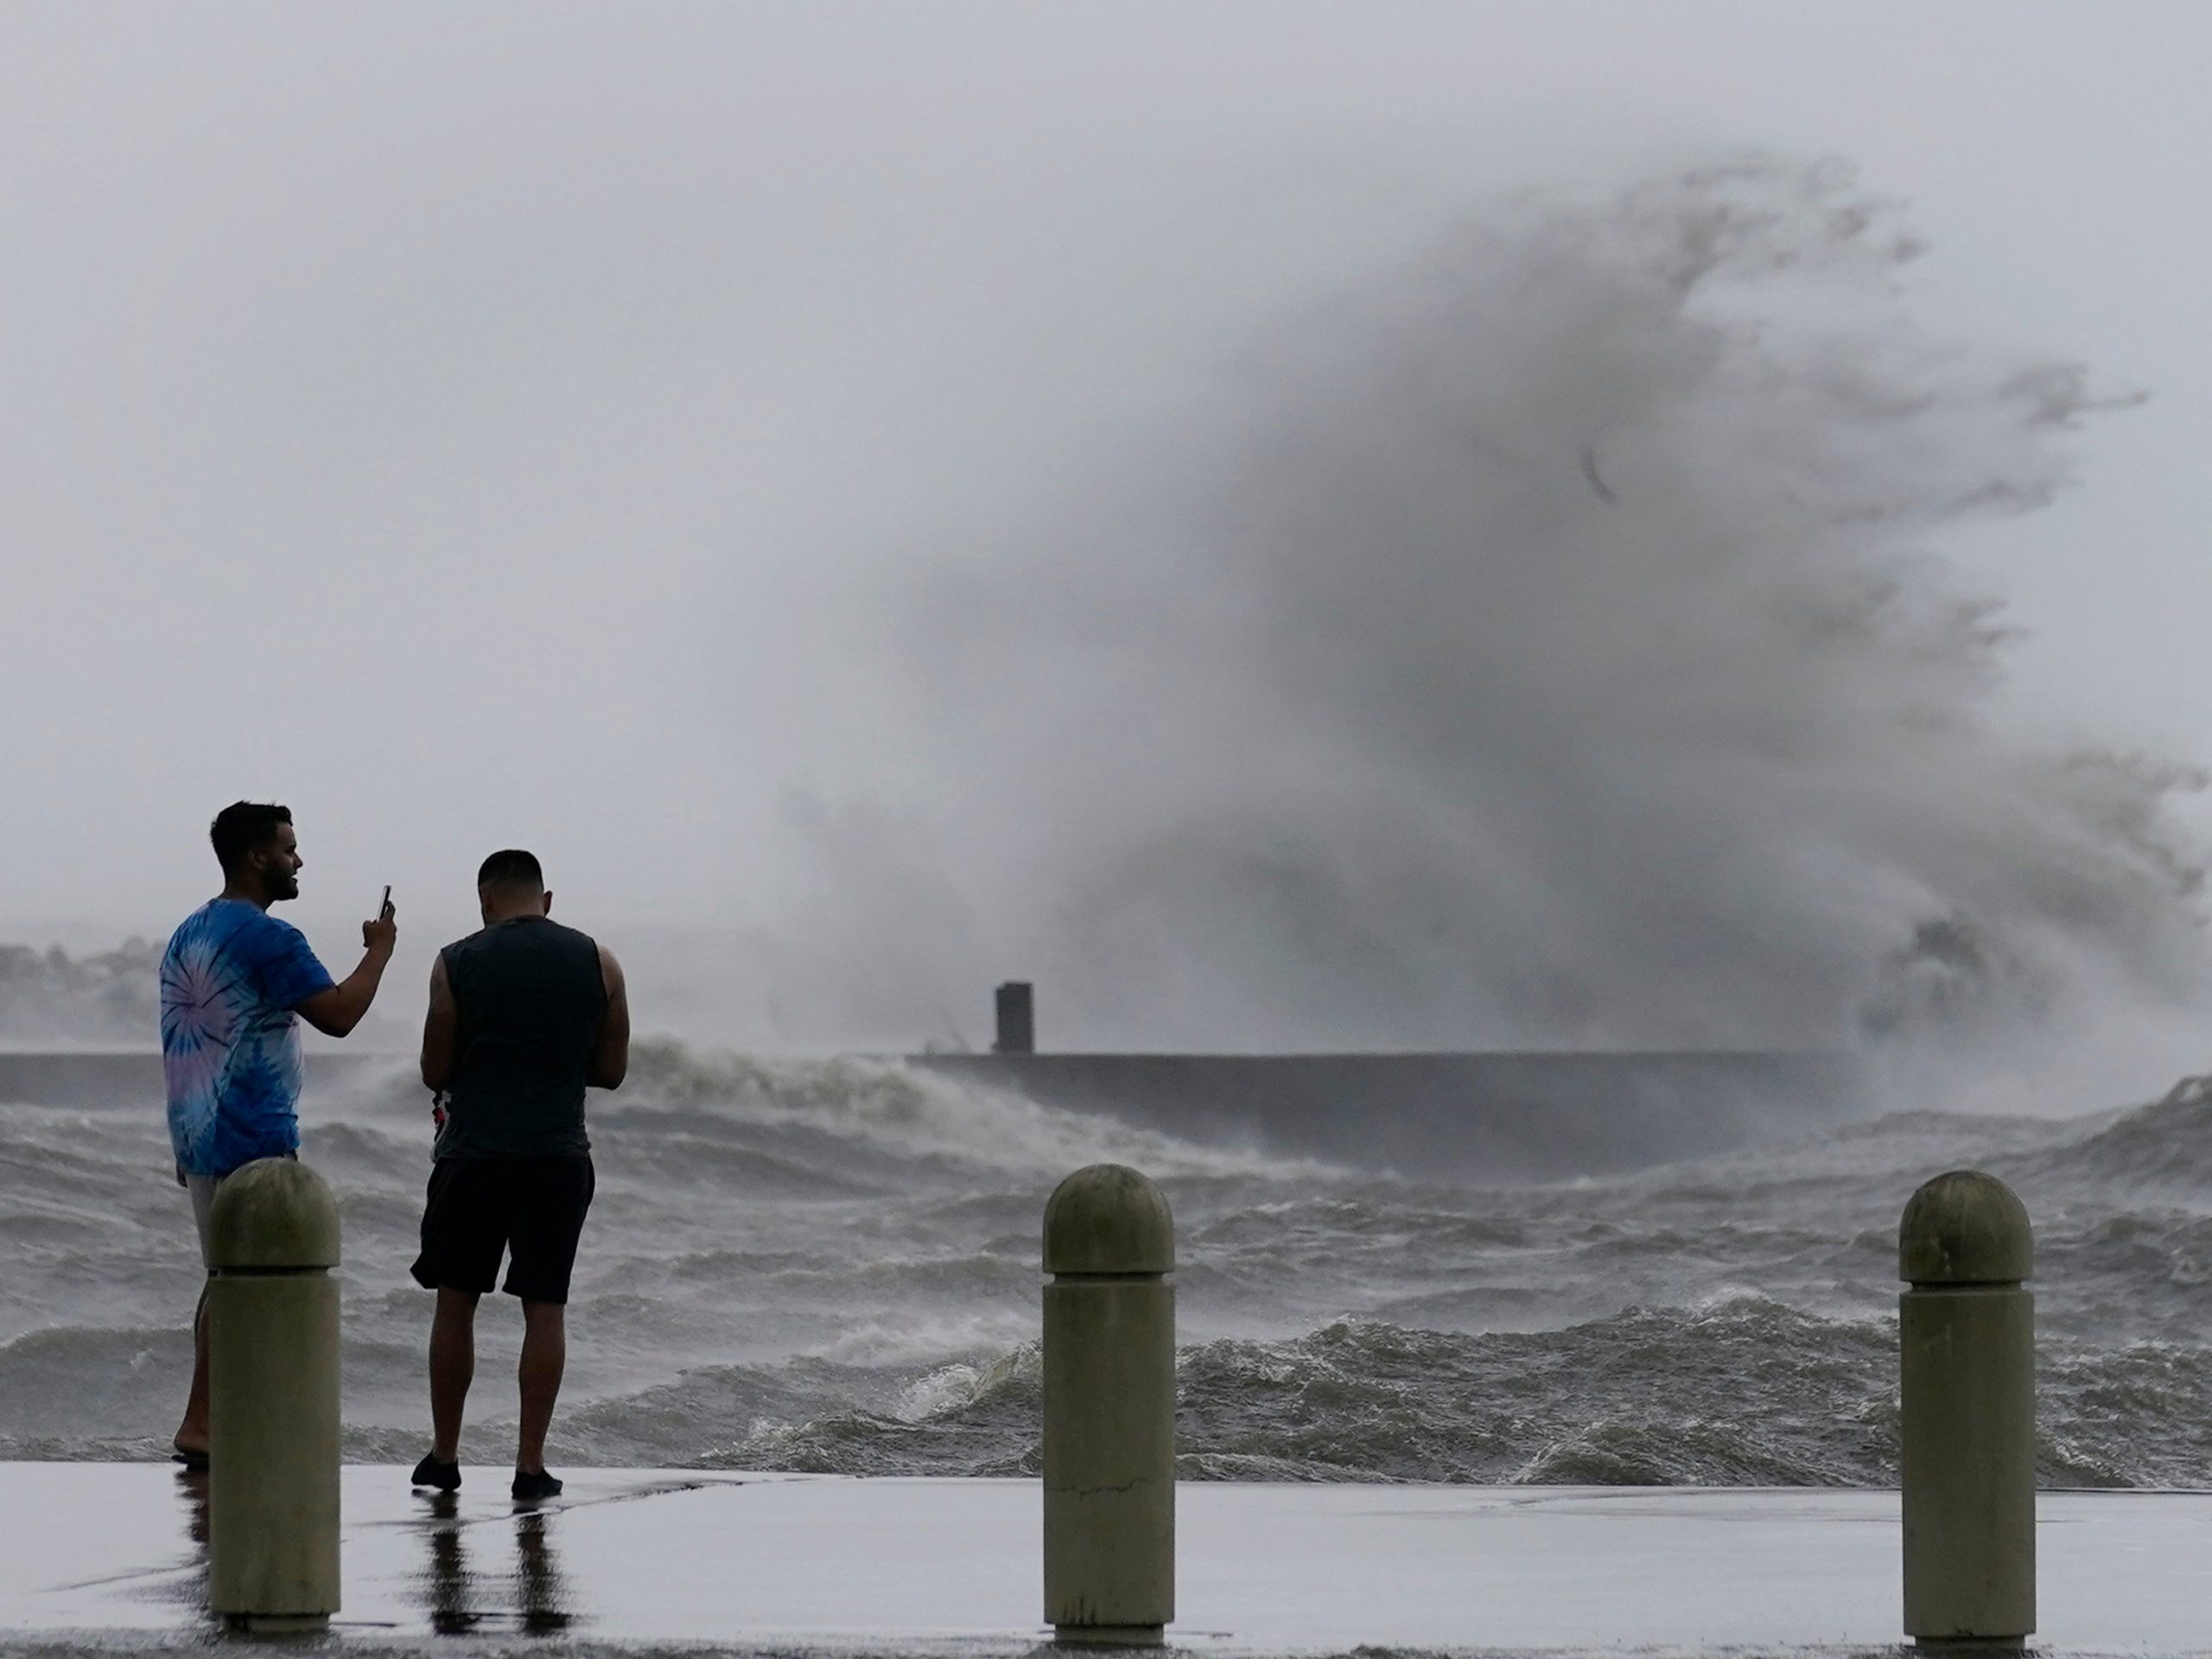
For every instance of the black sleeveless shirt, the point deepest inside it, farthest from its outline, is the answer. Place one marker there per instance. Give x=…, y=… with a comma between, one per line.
x=530, y=998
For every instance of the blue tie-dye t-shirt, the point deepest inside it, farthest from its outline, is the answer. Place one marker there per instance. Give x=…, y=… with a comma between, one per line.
x=230, y=1043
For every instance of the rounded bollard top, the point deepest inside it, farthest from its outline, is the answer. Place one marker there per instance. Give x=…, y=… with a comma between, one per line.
x=1965, y=1228
x=1109, y=1218
x=274, y=1212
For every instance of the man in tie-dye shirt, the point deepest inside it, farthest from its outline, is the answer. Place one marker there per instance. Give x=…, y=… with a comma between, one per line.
x=235, y=981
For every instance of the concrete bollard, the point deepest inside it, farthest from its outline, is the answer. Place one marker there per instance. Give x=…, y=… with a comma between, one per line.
x=1109, y=1409
x=272, y=1380
x=1967, y=1399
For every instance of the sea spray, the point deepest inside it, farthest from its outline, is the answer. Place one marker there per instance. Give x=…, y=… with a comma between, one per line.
x=1548, y=642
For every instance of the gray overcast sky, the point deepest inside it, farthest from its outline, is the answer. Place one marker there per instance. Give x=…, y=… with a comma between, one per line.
x=487, y=424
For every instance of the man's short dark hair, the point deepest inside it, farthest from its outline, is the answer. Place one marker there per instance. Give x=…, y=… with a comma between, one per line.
x=243, y=827
x=511, y=868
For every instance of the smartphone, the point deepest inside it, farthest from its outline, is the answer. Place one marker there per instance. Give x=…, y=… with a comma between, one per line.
x=384, y=909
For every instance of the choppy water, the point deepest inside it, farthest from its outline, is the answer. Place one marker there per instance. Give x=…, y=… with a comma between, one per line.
x=832, y=1266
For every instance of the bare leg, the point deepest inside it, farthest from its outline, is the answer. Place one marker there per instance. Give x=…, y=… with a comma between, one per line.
x=545, y=1354
x=192, y=1433
x=452, y=1367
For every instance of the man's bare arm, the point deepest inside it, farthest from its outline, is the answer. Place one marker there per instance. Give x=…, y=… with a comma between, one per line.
x=610, y=1055
x=441, y=1029
x=335, y=1012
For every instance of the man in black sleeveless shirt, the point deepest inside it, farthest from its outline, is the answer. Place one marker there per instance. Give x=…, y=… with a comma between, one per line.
x=523, y=1016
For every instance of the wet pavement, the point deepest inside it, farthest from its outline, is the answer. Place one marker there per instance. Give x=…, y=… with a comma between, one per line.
x=108, y=1554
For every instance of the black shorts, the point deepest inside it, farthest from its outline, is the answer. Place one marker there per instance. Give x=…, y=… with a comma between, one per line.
x=479, y=1207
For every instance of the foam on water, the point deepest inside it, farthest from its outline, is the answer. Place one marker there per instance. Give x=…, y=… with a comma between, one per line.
x=834, y=1267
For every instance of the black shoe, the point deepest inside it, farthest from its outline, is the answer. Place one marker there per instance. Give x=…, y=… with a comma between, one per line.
x=443, y=1477
x=528, y=1487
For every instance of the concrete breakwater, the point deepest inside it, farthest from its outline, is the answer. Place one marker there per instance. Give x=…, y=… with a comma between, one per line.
x=1468, y=1116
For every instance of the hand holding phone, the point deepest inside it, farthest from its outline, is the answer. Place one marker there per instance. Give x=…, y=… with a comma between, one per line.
x=381, y=934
